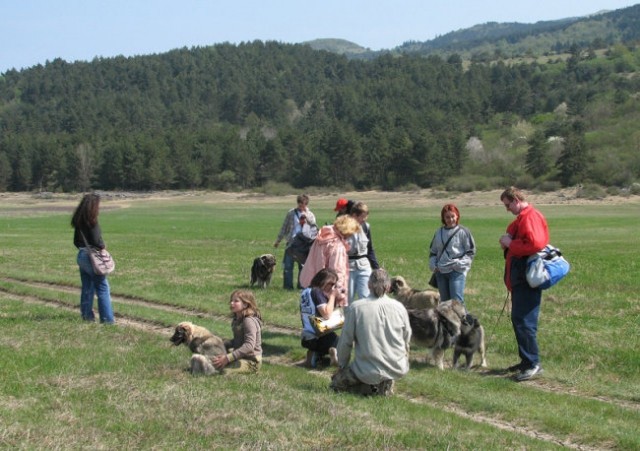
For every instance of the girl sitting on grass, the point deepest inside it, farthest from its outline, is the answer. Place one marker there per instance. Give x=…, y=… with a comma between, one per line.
x=244, y=350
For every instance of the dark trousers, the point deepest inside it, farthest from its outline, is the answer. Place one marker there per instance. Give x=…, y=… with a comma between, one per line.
x=525, y=310
x=322, y=344
x=287, y=271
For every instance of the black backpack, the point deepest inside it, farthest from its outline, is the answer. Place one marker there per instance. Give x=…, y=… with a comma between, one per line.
x=299, y=247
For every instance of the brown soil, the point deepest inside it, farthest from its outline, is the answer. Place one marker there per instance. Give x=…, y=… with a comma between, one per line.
x=21, y=203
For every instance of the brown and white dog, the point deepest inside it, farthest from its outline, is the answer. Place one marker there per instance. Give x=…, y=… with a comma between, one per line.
x=412, y=298
x=203, y=344
x=470, y=341
x=262, y=270
x=437, y=328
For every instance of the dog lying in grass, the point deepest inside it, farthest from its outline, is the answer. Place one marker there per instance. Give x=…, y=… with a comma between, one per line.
x=203, y=344
x=470, y=341
x=412, y=298
x=437, y=328
x=262, y=270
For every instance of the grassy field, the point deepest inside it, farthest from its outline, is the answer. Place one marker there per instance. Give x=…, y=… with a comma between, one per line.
x=72, y=385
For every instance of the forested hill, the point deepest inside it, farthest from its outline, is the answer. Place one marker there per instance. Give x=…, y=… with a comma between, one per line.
x=492, y=41
x=237, y=117
x=485, y=42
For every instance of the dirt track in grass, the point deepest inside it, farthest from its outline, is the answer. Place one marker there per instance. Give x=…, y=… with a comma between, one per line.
x=166, y=331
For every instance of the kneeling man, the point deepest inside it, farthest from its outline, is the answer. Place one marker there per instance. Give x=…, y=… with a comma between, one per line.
x=378, y=328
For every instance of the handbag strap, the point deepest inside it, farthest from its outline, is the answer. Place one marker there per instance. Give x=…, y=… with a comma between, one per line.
x=444, y=248
x=86, y=243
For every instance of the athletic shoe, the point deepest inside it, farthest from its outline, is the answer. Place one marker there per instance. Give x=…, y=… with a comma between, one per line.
x=517, y=367
x=525, y=375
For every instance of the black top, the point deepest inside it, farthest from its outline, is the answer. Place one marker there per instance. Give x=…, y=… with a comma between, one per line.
x=371, y=254
x=93, y=236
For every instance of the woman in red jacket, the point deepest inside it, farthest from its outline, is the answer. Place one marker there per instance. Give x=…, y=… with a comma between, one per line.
x=526, y=235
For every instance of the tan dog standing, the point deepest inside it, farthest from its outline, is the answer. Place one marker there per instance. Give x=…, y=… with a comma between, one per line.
x=412, y=298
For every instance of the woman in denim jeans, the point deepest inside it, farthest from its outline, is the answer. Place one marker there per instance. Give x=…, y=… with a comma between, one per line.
x=362, y=256
x=85, y=223
x=451, y=253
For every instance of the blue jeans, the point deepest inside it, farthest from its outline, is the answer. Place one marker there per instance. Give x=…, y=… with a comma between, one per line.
x=451, y=285
x=93, y=284
x=287, y=272
x=525, y=310
x=359, y=283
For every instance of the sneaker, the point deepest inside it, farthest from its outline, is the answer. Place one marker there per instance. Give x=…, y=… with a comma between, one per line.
x=525, y=375
x=517, y=367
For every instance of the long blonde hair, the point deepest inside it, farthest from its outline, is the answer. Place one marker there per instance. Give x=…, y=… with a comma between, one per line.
x=346, y=225
x=249, y=300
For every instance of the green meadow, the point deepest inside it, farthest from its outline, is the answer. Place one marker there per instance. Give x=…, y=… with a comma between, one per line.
x=67, y=384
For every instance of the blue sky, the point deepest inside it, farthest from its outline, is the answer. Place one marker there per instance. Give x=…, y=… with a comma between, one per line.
x=36, y=31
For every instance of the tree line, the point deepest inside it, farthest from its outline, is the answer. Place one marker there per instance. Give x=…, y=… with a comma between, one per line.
x=241, y=116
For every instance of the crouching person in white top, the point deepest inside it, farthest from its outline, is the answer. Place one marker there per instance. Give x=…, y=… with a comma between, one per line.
x=377, y=330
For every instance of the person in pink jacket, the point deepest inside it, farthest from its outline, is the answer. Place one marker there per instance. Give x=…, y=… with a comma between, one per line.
x=329, y=250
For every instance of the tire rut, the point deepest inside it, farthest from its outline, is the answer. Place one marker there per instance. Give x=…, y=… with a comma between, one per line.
x=131, y=300
x=503, y=425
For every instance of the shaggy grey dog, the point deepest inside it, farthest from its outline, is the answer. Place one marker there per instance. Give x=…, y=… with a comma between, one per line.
x=262, y=270
x=412, y=298
x=437, y=328
x=470, y=341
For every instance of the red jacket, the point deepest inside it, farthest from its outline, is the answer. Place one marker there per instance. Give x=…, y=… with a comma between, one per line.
x=529, y=234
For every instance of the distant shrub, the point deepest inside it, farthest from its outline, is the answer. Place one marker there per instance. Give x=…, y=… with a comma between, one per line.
x=613, y=191
x=525, y=181
x=591, y=191
x=440, y=193
x=549, y=185
x=407, y=188
x=635, y=189
x=470, y=183
x=464, y=185
x=277, y=189
x=44, y=195
x=322, y=190
x=226, y=181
